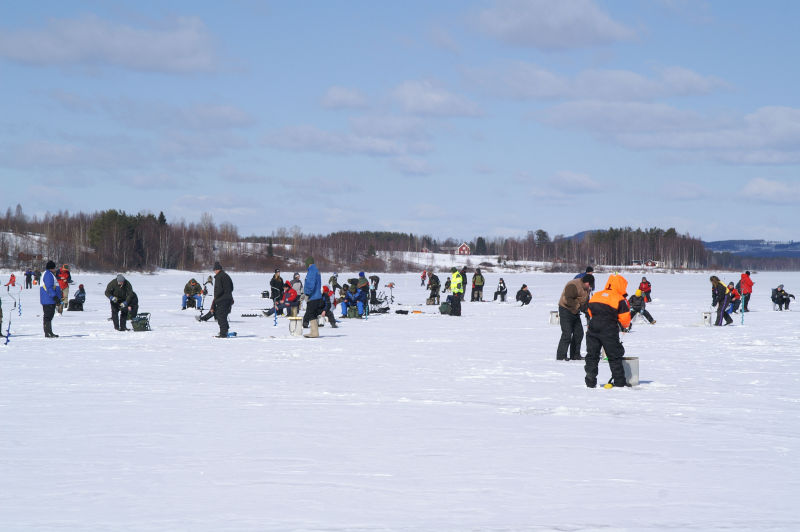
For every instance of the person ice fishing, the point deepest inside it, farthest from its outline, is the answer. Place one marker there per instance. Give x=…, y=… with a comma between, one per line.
x=608, y=310
x=746, y=284
x=433, y=286
x=192, y=291
x=639, y=305
x=524, y=295
x=781, y=297
x=501, y=291
x=276, y=286
x=312, y=288
x=223, y=299
x=118, y=292
x=288, y=300
x=49, y=297
x=573, y=301
x=720, y=296
x=457, y=287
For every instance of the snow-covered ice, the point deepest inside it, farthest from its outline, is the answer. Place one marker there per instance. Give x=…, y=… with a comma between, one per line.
x=398, y=422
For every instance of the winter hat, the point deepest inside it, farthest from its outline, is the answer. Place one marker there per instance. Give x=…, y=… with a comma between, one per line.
x=217, y=266
x=453, y=269
x=326, y=290
x=289, y=284
x=309, y=261
x=588, y=278
x=638, y=293
x=50, y=265
x=120, y=278
x=80, y=286
x=589, y=269
x=747, y=272
x=361, y=274
x=277, y=270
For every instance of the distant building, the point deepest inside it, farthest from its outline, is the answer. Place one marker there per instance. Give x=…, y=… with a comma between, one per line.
x=463, y=249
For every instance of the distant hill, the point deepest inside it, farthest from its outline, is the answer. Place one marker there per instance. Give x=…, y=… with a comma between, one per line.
x=755, y=248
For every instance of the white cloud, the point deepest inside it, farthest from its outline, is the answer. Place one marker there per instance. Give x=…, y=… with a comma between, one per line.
x=551, y=25
x=412, y=166
x=180, y=46
x=770, y=191
x=522, y=80
x=426, y=98
x=344, y=98
x=309, y=138
x=770, y=135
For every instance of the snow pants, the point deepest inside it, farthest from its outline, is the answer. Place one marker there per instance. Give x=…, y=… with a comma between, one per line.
x=571, y=334
x=502, y=295
x=722, y=313
x=455, y=304
x=643, y=312
x=614, y=351
x=221, y=311
x=48, y=311
x=313, y=309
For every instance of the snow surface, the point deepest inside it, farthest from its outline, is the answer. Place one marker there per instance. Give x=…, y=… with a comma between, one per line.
x=398, y=422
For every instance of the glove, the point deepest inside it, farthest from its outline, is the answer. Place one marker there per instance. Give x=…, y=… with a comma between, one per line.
x=122, y=305
x=114, y=299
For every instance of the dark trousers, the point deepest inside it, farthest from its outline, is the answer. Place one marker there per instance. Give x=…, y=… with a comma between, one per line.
x=119, y=316
x=614, y=351
x=745, y=302
x=48, y=311
x=477, y=293
x=28, y=282
x=644, y=313
x=501, y=294
x=221, y=311
x=435, y=294
x=313, y=309
x=722, y=313
x=455, y=304
x=571, y=334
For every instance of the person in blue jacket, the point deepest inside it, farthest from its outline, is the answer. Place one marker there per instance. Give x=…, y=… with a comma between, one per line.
x=312, y=288
x=49, y=297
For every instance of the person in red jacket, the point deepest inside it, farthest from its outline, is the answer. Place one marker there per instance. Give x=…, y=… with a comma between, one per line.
x=288, y=300
x=608, y=310
x=12, y=281
x=645, y=287
x=64, y=279
x=736, y=299
x=746, y=285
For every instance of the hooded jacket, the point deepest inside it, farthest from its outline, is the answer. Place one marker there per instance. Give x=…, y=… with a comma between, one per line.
x=574, y=297
x=609, y=306
x=313, y=285
x=746, y=283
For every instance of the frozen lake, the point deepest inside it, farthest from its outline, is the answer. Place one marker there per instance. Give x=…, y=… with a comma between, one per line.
x=398, y=422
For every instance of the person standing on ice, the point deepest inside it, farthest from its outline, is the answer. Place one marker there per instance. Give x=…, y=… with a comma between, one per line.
x=720, y=296
x=118, y=292
x=223, y=299
x=457, y=287
x=573, y=301
x=608, y=310
x=645, y=287
x=746, y=284
x=49, y=297
x=312, y=288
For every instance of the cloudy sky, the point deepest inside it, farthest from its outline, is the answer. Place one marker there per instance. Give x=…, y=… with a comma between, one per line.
x=450, y=118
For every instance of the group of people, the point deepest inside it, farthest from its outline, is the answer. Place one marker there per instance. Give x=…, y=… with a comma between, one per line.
x=455, y=284
x=729, y=298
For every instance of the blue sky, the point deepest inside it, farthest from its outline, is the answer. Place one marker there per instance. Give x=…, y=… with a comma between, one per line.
x=449, y=118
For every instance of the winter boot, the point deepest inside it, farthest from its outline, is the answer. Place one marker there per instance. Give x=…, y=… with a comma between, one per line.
x=314, y=332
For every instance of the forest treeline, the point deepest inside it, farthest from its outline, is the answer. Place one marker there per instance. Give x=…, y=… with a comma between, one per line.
x=113, y=240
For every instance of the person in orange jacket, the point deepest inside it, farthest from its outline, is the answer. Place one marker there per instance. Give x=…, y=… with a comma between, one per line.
x=64, y=278
x=12, y=281
x=609, y=311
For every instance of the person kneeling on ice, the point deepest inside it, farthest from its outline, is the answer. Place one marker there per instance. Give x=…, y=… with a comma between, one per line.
x=638, y=305
x=609, y=311
x=781, y=298
x=736, y=299
x=192, y=292
x=524, y=295
x=288, y=301
x=327, y=306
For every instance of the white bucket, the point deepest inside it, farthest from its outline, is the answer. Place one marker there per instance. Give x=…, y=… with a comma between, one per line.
x=296, y=326
x=706, y=318
x=554, y=319
x=631, y=366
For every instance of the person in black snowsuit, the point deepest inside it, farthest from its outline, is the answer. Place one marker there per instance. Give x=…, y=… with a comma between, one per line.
x=373, y=289
x=524, y=295
x=781, y=298
x=720, y=297
x=638, y=306
x=118, y=291
x=276, y=286
x=501, y=291
x=28, y=279
x=223, y=299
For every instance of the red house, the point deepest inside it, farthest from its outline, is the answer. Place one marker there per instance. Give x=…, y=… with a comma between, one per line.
x=463, y=249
